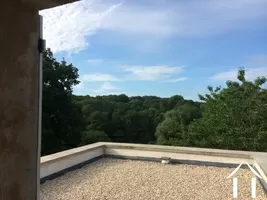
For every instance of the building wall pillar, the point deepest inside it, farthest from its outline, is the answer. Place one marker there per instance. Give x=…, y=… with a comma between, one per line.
x=19, y=101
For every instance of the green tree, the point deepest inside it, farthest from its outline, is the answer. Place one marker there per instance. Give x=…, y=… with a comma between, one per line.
x=173, y=130
x=91, y=136
x=234, y=117
x=62, y=120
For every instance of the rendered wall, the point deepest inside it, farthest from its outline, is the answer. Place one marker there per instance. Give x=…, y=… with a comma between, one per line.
x=19, y=82
x=51, y=165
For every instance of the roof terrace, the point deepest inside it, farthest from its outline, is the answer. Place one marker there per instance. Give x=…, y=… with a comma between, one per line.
x=132, y=171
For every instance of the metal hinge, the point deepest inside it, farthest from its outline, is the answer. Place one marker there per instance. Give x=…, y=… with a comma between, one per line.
x=41, y=45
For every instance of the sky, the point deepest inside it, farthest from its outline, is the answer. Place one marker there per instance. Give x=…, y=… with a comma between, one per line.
x=158, y=47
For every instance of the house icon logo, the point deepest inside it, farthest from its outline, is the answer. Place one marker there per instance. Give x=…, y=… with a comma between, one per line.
x=253, y=180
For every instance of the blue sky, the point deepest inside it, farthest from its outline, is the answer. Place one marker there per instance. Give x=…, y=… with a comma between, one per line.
x=160, y=48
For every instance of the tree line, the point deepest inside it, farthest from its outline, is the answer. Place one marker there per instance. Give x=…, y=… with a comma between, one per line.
x=234, y=117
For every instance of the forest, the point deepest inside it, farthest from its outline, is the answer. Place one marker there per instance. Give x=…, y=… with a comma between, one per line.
x=233, y=117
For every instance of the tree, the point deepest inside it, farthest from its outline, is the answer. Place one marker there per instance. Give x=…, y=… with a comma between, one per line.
x=234, y=117
x=173, y=130
x=62, y=120
x=91, y=136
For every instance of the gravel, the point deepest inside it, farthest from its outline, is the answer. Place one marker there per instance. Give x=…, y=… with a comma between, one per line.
x=111, y=179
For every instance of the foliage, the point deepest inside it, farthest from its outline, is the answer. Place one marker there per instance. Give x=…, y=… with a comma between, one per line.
x=92, y=136
x=234, y=117
x=174, y=129
x=125, y=119
x=62, y=122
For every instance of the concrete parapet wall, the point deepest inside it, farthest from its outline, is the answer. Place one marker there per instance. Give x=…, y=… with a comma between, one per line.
x=59, y=163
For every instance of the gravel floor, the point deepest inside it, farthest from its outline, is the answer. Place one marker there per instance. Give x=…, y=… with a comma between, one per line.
x=111, y=179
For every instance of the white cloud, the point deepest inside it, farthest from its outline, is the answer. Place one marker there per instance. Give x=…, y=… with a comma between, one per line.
x=151, y=73
x=260, y=59
x=95, y=61
x=106, y=88
x=98, y=77
x=251, y=71
x=209, y=17
x=66, y=28
x=251, y=74
x=176, y=80
x=139, y=20
x=79, y=86
x=141, y=73
x=181, y=18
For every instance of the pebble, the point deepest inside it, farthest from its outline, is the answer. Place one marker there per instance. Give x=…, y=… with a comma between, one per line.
x=116, y=179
